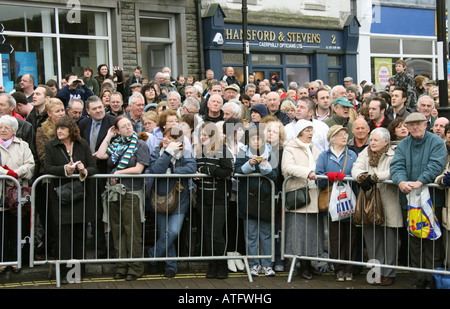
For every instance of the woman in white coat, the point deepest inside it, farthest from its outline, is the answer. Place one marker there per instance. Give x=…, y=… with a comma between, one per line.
x=304, y=233
x=372, y=167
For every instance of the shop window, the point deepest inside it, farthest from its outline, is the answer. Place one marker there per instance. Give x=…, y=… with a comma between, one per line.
x=266, y=59
x=90, y=23
x=27, y=19
x=384, y=46
x=298, y=75
x=297, y=59
x=416, y=47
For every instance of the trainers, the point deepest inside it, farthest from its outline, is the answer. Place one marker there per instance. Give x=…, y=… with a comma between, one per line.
x=255, y=270
x=340, y=276
x=348, y=277
x=268, y=271
x=279, y=268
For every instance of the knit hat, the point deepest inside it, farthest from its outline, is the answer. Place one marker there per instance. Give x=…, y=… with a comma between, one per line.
x=260, y=109
x=351, y=88
x=300, y=125
x=276, y=78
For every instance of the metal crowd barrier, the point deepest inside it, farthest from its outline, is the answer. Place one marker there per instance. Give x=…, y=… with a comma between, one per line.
x=188, y=244
x=325, y=263
x=7, y=230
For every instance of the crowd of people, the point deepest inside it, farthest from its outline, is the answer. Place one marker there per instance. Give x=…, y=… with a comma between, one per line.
x=105, y=123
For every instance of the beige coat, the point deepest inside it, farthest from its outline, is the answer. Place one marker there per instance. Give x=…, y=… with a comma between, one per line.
x=438, y=181
x=389, y=193
x=295, y=163
x=19, y=158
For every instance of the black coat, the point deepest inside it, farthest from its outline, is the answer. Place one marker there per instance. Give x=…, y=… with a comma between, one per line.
x=55, y=159
x=85, y=131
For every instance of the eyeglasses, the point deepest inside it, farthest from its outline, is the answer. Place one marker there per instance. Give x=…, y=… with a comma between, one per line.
x=342, y=135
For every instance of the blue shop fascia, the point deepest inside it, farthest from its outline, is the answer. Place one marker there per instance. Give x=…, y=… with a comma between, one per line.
x=294, y=54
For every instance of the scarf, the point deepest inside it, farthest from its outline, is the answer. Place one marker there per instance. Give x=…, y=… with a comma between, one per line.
x=122, y=149
x=374, y=157
x=7, y=143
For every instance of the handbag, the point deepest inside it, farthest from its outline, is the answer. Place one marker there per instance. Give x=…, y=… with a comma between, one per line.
x=369, y=209
x=70, y=191
x=325, y=194
x=166, y=204
x=421, y=219
x=12, y=199
x=259, y=204
x=297, y=198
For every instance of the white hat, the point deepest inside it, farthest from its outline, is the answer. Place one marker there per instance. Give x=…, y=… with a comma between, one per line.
x=301, y=125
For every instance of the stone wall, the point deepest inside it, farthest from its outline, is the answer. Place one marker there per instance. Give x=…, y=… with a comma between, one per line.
x=128, y=29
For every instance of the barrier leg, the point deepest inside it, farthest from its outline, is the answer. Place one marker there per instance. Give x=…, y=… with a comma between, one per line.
x=247, y=267
x=291, y=269
x=58, y=274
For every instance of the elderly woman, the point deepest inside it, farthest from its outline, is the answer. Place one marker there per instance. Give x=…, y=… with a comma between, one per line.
x=66, y=155
x=16, y=160
x=126, y=154
x=304, y=230
x=372, y=167
x=214, y=160
x=169, y=157
x=336, y=163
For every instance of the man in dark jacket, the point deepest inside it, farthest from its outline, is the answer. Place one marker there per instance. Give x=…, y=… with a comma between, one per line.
x=71, y=90
x=230, y=78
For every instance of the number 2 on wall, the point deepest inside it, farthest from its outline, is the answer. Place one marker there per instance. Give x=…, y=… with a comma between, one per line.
x=333, y=39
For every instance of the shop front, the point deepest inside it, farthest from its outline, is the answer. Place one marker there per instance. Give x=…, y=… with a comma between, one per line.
x=294, y=54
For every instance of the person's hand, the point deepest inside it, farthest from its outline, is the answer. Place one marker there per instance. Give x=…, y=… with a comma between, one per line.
x=405, y=187
x=416, y=184
x=111, y=133
x=312, y=176
x=332, y=176
x=70, y=168
x=446, y=179
x=254, y=160
x=175, y=146
x=367, y=183
x=11, y=172
x=340, y=176
x=80, y=167
x=263, y=162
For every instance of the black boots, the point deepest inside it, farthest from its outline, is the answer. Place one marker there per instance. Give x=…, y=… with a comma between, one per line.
x=217, y=269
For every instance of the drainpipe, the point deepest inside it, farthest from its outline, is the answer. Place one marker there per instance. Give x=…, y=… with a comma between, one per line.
x=201, y=57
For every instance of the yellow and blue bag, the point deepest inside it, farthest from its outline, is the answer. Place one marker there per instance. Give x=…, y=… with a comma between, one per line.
x=421, y=220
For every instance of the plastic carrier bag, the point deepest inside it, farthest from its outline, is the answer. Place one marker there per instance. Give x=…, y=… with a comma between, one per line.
x=342, y=201
x=421, y=220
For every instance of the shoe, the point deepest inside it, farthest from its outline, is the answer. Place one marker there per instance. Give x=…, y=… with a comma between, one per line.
x=419, y=284
x=430, y=285
x=154, y=269
x=348, y=277
x=212, y=270
x=305, y=274
x=278, y=268
x=255, y=270
x=239, y=263
x=340, y=276
x=231, y=263
x=222, y=270
x=119, y=276
x=169, y=273
x=3, y=269
x=268, y=271
x=131, y=277
x=387, y=281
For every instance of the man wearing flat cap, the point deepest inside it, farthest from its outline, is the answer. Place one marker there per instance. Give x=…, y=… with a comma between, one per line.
x=418, y=160
x=341, y=108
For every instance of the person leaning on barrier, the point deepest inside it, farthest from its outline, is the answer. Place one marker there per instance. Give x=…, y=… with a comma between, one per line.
x=418, y=160
x=304, y=230
x=342, y=234
x=214, y=160
x=126, y=154
x=372, y=167
x=17, y=161
x=254, y=157
x=65, y=155
x=170, y=157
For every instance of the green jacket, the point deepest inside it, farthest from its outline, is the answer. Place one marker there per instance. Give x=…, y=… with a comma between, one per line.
x=335, y=119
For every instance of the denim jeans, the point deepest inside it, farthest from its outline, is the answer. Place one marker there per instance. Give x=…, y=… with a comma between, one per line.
x=168, y=231
x=255, y=237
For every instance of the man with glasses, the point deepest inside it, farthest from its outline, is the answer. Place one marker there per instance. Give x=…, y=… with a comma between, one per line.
x=190, y=106
x=418, y=160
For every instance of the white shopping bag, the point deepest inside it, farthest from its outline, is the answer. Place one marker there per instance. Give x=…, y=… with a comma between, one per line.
x=342, y=201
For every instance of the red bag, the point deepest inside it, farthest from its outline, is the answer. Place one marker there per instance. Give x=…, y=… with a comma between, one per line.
x=12, y=201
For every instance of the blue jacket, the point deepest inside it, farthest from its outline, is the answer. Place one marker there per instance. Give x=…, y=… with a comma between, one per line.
x=159, y=164
x=242, y=166
x=66, y=94
x=328, y=162
x=421, y=160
